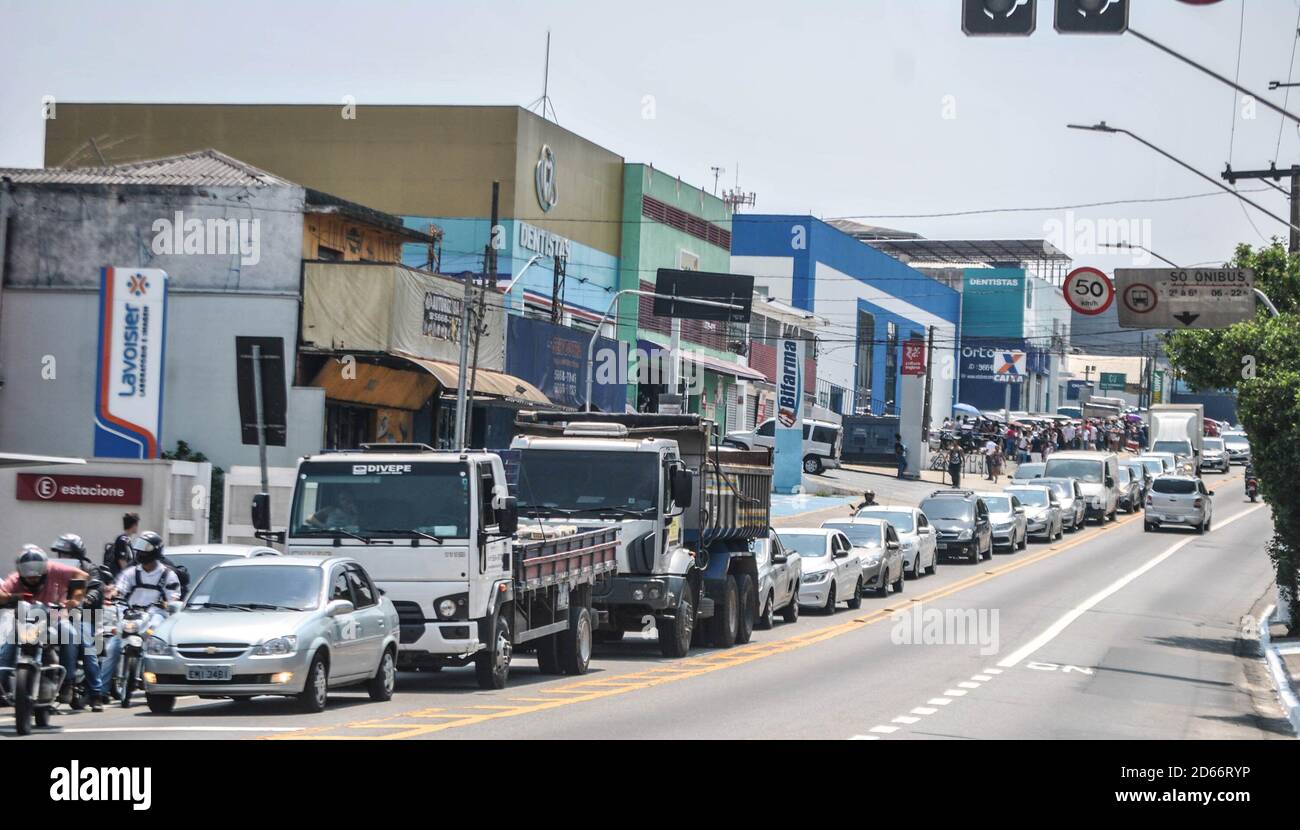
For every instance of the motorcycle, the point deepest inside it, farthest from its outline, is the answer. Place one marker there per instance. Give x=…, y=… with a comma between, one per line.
x=33, y=683
x=1252, y=487
x=132, y=628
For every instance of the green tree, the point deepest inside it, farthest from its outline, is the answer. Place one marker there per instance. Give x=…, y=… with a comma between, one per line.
x=1260, y=358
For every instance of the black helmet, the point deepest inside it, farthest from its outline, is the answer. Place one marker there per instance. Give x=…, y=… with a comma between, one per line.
x=32, y=563
x=148, y=547
x=69, y=546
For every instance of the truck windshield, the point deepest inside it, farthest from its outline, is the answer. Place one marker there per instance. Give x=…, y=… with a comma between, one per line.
x=342, y=497
x=1175, y=447
x=566, y=481
x=1089, y=471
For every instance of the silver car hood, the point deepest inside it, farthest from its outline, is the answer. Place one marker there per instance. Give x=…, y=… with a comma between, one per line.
x=231, y=626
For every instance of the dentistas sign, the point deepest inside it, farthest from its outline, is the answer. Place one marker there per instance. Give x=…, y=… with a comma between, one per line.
x=129, y=365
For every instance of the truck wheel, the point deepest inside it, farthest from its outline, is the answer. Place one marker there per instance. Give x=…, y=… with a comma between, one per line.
x=767, y=619
x=725, y=621
x=812, y=465
x=548, y=655
x=492, y=664
x=748, y=593
x=675, y=633
x=790, y=613
x=574, y=645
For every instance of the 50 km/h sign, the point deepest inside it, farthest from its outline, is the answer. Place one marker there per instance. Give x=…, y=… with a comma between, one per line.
x=1181, y=298
x=1088, y=291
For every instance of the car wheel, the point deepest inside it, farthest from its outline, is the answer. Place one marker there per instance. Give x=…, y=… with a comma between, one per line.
x=856, y=601
x=575, y=643
x=934, y=565
x=160, y=704
x=1024, y=540
x=748, y=593
x=812, y=465
x=916, y=568
x=492, y=664
x=315, y=694
x=1147, y=527
x=974, y=552
x=381, y=686
x=675, y=633
x=829, y=607
x=767, y=619
x=725, y=622
x=790, y=613
x=898, y=584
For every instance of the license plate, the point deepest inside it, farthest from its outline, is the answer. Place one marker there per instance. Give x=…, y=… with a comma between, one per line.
x=207, y=672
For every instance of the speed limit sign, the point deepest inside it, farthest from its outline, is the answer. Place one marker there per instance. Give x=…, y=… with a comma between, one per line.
x=1088, y=291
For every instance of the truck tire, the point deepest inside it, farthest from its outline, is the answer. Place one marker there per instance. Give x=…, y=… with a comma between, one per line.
x=725, y=622
x=574, y=645
x=748, y=592
x=492, y=664
x=675, y=633
x=548, y=654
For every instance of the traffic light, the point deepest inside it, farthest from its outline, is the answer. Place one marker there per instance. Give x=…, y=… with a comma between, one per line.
x=998, y=17
x=1092, y=17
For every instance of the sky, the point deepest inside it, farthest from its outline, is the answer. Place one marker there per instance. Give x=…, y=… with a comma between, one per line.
x=880, y=109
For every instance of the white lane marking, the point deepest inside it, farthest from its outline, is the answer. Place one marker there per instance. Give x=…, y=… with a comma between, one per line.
x=966, y=684
x=954, y=693
x=983, y=678
x=924, y=710
x=96, y=729
x=938, y=701
x=884, y=730
x=905, y=720
x=1082, y=608
x=865, y=738
x=993, y=671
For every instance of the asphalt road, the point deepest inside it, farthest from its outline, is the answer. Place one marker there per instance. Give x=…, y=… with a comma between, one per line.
x=1108, y=633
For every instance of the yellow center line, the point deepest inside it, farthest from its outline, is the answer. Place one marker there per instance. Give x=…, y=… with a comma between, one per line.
x=583, y=691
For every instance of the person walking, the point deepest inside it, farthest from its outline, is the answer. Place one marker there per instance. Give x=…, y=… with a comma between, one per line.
x=955, y=461
x=900, y=454
x=995, y=464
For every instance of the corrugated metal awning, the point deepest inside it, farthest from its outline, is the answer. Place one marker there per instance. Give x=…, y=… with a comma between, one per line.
x=486, y=381
x=704, y=361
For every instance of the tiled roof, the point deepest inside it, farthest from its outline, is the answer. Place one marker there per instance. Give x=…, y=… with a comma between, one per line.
x=203, y=168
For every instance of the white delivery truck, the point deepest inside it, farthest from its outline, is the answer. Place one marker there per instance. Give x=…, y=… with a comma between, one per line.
x=1178, y=428
x=436, y=530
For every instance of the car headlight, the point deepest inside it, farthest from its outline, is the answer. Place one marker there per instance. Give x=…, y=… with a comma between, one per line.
x=130, y=626
x=965, y=535
x=277, y=647
x=156, y=646
x=816, y=576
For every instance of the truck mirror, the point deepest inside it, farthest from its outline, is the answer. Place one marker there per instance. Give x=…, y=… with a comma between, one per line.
x=682, y=486
x=508, y=516
x=262, y=511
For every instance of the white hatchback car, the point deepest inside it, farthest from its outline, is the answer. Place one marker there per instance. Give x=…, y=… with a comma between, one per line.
x=832, y=571
x=920, y=545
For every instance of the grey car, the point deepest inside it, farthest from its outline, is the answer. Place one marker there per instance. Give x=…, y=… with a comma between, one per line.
x=1238, y=447
x=1214, y=455
x=1007, y=515
x=779, y=571
x=1130, y=489
x=1042, y=510
x=961, y=520
x=1179, y=500
x=1028, y=471
x=1074, y=507
x=294, y=626
x=876, y=543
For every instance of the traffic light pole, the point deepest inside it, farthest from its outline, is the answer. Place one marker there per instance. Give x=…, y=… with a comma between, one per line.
x=1231, y=176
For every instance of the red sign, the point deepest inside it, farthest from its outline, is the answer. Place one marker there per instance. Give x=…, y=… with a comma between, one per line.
x=85, y=489
x=914, y=358
x=1088, y=291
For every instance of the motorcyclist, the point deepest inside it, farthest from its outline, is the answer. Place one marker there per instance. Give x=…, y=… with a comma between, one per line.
x=37, y=579
x=86, y=617
x=149, y=583
x=118, y=555
x=868, y=500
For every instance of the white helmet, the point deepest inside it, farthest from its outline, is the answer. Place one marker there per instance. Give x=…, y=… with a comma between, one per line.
x=32, y=563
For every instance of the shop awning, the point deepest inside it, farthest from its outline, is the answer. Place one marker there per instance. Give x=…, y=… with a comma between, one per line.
x=486, y=381
x=374, y=385
x=712, y=364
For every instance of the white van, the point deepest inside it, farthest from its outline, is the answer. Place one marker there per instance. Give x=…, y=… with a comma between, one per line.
x=1098, y=477
x=822, y=442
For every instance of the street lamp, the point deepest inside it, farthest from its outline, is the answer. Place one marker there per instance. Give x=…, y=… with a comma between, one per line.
x=1128, y=246
x=1103, y=127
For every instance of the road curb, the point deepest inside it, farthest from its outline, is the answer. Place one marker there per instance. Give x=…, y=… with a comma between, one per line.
x=1287, y=696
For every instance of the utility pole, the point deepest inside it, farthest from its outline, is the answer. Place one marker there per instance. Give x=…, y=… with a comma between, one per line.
x=489, y=273
x=929, y=375
x=1232, y=176
x=557, y=290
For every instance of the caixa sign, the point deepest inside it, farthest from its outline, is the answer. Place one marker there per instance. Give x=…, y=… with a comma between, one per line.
x=789, y=383
x=129, y=369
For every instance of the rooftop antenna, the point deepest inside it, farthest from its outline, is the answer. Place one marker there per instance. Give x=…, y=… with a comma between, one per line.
x=545, y=100
x=736, y=197
x=717, y=171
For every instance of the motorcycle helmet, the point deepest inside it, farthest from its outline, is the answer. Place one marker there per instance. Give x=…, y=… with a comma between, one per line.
x=32, y=563
x=148, y=547
x=69, y=546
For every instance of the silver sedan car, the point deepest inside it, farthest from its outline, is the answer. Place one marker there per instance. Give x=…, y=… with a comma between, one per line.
x=284, y=625
x=1010, y=526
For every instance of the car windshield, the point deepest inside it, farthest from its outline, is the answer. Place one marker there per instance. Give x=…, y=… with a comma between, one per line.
x=1030, y=471
x=1154, y=466
x=198, y=564
x=1077, y=468
x=269, y=587
x=1062, y=488
x=559, y=481
x=1175, y=447
x=1214, y=443
x=861, y=535
x=334, y=497
x=1236, y=441
x=805, y=544
x=1035, y=497
x=900, y=519
x=998, y=504
x=948, y=510
x=1124, y=475
x=1174, y=486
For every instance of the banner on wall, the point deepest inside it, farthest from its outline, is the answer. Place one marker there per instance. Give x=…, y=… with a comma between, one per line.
x=129, y=366
x=787, y=461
